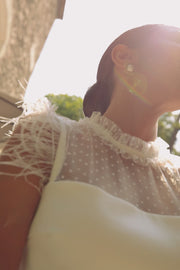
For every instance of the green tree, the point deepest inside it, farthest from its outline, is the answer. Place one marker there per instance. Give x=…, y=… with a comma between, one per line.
x=69, y=106
x=169, y=125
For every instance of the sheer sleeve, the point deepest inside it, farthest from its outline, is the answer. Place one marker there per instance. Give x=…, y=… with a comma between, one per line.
x=33, y=141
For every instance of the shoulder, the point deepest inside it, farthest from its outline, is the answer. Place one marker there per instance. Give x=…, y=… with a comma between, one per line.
x=34, y=139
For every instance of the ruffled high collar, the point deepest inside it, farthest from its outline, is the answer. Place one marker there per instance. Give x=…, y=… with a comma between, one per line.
x=129, y=145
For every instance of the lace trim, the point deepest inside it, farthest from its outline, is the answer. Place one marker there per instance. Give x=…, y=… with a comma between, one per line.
x=128, y=146
x=33, y=147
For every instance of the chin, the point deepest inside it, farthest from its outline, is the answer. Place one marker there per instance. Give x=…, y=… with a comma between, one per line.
x=174, y=108
x=170, y=107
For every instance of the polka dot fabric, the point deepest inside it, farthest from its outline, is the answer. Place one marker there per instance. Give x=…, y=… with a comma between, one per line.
x=149, y=182
x=97, y=153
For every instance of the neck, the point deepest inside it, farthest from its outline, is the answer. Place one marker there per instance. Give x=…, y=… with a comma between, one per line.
x=134, y=117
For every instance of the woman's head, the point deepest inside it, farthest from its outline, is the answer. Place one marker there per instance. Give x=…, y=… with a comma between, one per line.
x=141, y=54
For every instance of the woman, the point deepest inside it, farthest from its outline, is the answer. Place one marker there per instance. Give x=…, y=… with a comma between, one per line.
x=113, y=197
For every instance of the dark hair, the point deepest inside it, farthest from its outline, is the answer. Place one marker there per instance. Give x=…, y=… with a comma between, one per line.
x=98, y=97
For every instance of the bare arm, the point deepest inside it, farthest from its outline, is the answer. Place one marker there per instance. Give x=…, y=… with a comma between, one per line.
x=30, y=154
x=18, y=203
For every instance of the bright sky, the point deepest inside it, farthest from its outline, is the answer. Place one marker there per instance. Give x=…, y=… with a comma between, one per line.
x=69, y=60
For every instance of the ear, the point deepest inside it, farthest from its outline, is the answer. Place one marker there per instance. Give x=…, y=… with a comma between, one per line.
x=121, y=56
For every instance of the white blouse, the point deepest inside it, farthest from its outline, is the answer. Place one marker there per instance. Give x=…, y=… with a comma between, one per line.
x=97, y=152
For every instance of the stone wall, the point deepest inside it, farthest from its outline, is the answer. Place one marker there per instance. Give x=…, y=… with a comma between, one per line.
x=24, y=26
x=29, y=22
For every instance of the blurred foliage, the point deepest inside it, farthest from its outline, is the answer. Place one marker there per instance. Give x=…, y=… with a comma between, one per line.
x=169, y=125
x=69, y=106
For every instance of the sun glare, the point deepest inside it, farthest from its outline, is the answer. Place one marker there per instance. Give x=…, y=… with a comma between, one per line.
x=69, y=59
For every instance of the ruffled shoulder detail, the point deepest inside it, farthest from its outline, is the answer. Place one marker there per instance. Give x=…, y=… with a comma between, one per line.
x=33, y=141
x=130, y=147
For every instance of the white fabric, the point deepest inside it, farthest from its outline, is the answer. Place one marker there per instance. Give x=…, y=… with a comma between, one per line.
x=60, y=154
x=81, y=227
x=95, y=214
x=98, y=153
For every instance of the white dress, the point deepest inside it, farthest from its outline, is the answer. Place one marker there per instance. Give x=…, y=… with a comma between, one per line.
x=79, y=226
x=113, y=200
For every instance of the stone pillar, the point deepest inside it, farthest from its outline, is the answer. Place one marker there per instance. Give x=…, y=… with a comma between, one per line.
x=24, y=26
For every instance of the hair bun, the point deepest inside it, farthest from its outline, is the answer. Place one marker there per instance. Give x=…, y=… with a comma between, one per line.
x=96, y=99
